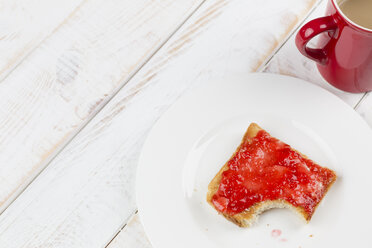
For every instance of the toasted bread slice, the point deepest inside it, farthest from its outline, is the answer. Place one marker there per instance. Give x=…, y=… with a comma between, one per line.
x=249, y=216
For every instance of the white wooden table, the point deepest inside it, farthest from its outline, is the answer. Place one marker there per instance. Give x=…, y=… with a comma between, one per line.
x=82, y=83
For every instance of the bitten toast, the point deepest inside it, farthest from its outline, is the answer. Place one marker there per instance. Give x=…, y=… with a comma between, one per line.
x=289, y=178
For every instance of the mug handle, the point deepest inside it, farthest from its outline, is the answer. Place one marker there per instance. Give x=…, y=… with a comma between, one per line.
x=309, y=31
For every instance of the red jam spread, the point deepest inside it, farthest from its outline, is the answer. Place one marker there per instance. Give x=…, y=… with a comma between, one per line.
x=265, y=168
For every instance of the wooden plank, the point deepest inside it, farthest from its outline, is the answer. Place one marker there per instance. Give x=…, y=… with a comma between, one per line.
x=132, y=235
x=56, y=90
x=24, y=24
x=290, y=62
x=86, y=194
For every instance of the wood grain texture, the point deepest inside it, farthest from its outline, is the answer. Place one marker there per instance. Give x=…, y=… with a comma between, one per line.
x=290, y=62
x=132, y=235
x=24, y=24
x=58, y=88
x=86, y=194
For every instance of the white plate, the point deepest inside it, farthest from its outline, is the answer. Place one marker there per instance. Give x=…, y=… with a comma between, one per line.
x=196, y=136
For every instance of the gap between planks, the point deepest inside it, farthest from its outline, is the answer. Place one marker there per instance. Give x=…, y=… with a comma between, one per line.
x=69, y=138
x=122, y=228
x=360, y=100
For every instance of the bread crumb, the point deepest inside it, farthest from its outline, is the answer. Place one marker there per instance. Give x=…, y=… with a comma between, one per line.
x=311, y=235
x=267, y=224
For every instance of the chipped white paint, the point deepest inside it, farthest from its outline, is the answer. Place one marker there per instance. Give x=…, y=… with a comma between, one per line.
x=26, y=23
x=87, y=193
x=71, y=75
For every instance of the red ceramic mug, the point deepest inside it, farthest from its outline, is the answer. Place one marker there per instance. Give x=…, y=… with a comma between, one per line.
x=345, y=56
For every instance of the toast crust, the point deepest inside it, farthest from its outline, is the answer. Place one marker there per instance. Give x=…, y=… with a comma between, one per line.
x=250, y=215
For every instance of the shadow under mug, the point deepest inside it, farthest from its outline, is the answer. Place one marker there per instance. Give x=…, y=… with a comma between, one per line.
x=345, y=56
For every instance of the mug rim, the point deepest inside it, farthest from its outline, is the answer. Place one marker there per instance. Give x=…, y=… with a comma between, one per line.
x=337, y=7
